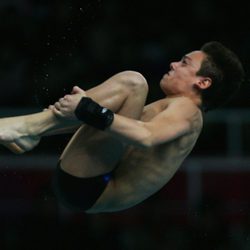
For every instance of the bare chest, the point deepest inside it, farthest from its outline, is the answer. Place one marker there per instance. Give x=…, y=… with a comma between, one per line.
x=152, y=110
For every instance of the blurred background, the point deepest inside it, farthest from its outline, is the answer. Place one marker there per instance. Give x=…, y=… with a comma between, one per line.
x=47, y=47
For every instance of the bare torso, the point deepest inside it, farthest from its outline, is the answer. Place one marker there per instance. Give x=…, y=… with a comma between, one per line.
x=144, y=171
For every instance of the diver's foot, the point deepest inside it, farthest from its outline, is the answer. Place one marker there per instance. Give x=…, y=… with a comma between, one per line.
x=22, y=145
x=13, y=148
x=15, y=135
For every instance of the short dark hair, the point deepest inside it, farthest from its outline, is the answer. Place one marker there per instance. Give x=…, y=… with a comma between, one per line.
x=226, y=71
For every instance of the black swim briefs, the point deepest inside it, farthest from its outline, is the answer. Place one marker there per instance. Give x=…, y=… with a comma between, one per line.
x=79, y=193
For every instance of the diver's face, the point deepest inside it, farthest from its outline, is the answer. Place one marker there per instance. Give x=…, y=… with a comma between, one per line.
x=182, y=75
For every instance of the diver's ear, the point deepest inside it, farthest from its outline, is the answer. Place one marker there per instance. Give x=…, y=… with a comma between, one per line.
x=203, y=83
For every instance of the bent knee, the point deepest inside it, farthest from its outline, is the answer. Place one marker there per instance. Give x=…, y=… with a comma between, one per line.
x=133, y=80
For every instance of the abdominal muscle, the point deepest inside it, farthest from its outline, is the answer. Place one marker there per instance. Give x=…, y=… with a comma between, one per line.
x=141, y=173
x=149, y=170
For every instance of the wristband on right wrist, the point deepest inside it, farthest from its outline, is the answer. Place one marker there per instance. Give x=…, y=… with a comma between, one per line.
x=93, y=114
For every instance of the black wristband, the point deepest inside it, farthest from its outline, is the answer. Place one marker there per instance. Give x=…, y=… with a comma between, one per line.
x=93, y=114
